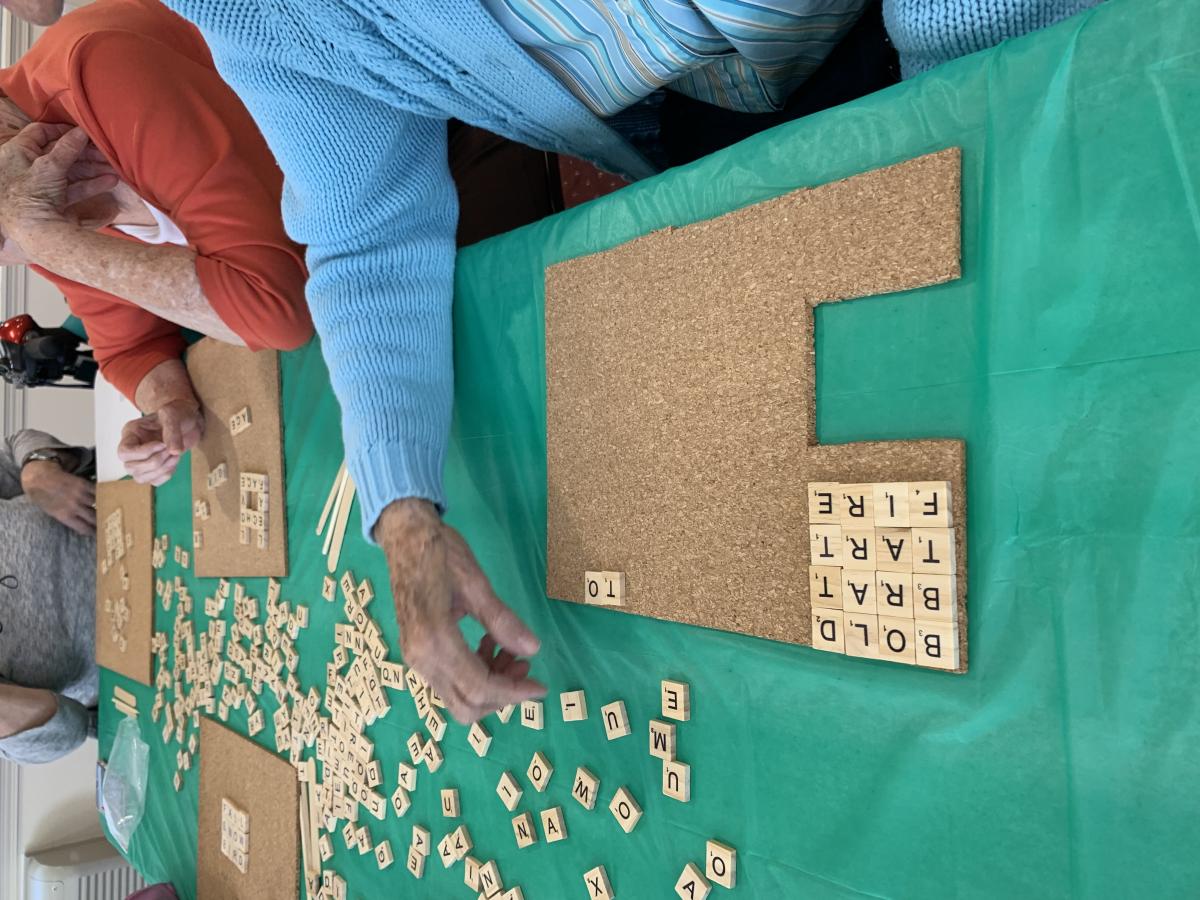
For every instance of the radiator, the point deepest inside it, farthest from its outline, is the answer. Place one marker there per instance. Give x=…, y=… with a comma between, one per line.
x=91, y=870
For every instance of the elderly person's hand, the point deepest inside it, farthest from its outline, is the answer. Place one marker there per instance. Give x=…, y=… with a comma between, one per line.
x=51, y=177
x=66, y=497
x=152, y=445
x=436, y=581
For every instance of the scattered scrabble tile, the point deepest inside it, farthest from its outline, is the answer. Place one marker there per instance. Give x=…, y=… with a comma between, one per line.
x=450, y=804
x=676, y=700
x=539, y=772
x=531, y=714
x=416, y=862
x=509, y=791
x=401, y=802
x=677, y=780
x=574, y=706
x=625, y=810
x=445, y=849
x=420, y=839
x=604, y=588
x=598, y=885
x=479, y=739
x=616, y=720
x=504, y=713
x=363, y=836
x=239, y=421
x=513, y=893
x=471, y=872
x=554, y=826
x=720, y=864
x=462, y=842
x=407, y=776
x=585, y=788
x=489, y=879
x=383, y=855
x=691, y=884
x=662, y=739
x=524, y=830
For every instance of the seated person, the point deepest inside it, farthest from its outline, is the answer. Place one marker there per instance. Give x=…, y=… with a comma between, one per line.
x=48, y=677
x=194, y=237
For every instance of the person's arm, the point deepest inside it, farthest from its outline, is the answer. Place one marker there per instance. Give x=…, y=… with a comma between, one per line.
x=55, y=486
x=37, y=726
x=369, y=191
x=72, y=460
x=200, y=158
x=152, y=446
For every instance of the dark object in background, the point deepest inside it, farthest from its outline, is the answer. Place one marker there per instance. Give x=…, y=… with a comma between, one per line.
x=32, y=356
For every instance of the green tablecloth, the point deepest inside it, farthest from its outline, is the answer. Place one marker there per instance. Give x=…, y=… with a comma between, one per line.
x=1065, y=762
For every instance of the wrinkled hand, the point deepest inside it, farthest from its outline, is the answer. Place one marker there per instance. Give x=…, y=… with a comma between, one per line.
x=436, y=581
x=66, y=497
x=152, y=445
x=50, y=175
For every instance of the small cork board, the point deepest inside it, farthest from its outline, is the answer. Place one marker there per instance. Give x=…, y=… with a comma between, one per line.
x=231, y=382
x=124, y=578
x=264, y=786
x=681, y=397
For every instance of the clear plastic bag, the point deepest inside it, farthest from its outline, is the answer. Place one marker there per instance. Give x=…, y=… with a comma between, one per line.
x=124, y=787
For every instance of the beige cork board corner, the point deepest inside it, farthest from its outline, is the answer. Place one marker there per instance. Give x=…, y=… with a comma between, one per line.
x=134, y=503
x=229, y=379
x=265, y=787
x=681, y=397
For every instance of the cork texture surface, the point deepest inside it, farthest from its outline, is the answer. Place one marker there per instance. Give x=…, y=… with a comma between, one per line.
x=680, y=372
x=125, y=608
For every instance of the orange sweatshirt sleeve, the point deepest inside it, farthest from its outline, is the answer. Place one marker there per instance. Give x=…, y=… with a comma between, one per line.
x=180, y=136
x=127, y=340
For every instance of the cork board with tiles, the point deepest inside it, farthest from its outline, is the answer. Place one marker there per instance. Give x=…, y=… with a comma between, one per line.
x=681, y=408
x=124, y=578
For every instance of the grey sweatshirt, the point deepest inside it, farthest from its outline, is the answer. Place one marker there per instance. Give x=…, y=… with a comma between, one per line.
x=47, y=607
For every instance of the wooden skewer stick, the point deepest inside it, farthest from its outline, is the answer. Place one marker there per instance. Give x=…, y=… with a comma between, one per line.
x=339, y=530
x=337, y=509
x=333, y=493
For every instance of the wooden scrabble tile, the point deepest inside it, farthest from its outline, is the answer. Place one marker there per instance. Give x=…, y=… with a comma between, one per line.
x=383, y=855
x=616, y=720
x=676, y=700
x=856, y=505
x=509, y=791
x=823, y=499
x=929, y=504
x=239, y=421
x=894, y=594
x=350, y=836
x=325, y=846
x=858, y=591
x=935, y=597
x=524, y=830
x=858, y=548
x=435, y=723
x=433, y=757
x=933, y=551
x=416, y=747
x=662, y=739
x=625, y=810
x=489, y=879
x=585, y=788
x=504, y=713
x=896, y=638
x=539, y=772
x=692, y=884
x=554, y=827
x=407, y=776
x=532, y=715
x=479, y=739
x=450, y=804
x=462, y=842
x=936, y=644
x=862, y=635
x=598, y=885
x=420, y=839
x=827, y=630
x=825, y=545
x=893, y=549
x=363, y=837
x=677, y=780
x=720, y=864
x=471, y=872
x=604, y=588
x=825, y=586
x=445, y=850
x=574, y=706
x=891, y=505
x=513, y=893
x=416, y=862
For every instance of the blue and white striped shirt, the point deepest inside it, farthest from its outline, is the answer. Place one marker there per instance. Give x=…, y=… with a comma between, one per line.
x=744, y=55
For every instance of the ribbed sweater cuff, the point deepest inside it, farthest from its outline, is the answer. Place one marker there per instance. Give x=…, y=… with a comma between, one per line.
x=384, y=473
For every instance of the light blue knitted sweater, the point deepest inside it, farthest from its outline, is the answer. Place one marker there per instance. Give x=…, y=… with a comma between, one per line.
x=353, y=97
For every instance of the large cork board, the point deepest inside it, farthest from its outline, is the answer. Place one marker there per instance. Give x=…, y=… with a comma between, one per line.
x=681, y=385
x=124, y=578
x=263, y=785
x=228, y=379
